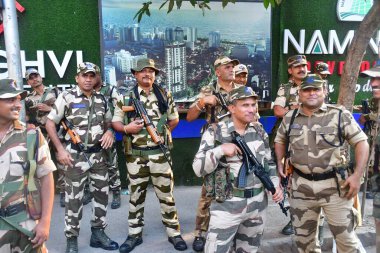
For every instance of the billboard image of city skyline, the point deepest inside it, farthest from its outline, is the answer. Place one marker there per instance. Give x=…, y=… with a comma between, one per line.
x=185, y=44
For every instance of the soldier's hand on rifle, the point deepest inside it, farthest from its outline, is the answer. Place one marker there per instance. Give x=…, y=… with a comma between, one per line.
x=134, y=127
x=107, y=139
x=353, y=183
x=210, y=100
x=41, y=232
x=43, y=107
x=64, y=157
x=278, y=195
x=230, y=149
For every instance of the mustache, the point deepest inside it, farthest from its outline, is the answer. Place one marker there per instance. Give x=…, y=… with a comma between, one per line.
x=301, y=72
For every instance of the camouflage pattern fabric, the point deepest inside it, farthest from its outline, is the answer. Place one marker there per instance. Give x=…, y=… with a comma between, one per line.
x=236, y=224
x=37, y=117
x=283, y=99
x=203, y=211
x=208, y=91
x=111, y=96
x=13, y=153
x=75, y=107
x=145, y=167
x=311, y=151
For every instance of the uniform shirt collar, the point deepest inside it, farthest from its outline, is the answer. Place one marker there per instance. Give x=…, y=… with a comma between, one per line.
x=80, y=92
x=323, y=108
x=231, y=126
x=142, y=91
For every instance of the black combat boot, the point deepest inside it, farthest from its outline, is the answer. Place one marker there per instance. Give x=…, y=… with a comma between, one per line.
x=72, y=245
x=116, y=199
x=199, y=243
x=87, y=196
x=288, y=229
x=62, y=199
x=178, y=242
x=130, y=243
x=99, y=239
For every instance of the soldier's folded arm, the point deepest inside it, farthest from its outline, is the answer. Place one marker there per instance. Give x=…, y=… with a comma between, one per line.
x=207, y=158
x=173, y=123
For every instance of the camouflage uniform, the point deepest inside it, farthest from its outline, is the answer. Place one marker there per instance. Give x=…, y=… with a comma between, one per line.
x=151, y=164
x=311, y=152
x=13, y=154
x=111, y=95
x=73, y=105
x=287, y=94
x=237, y=224
x=38, y=118
x=203, y=211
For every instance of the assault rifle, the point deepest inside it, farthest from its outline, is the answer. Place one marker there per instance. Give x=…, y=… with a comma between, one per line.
x=251, y=164
x=75, y=139
x=141, y=112
x=365, y=110
x=224, y=105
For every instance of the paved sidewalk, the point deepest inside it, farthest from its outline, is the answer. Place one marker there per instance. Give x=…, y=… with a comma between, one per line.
x=154, y=236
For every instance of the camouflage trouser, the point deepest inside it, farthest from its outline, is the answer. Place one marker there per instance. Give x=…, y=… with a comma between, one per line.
x=203, y=213
x=113, y=172
x=140, y=169
x=307, y=198
x=61, y=177
x=237, y=225
x=15, y=241
x=76, y=179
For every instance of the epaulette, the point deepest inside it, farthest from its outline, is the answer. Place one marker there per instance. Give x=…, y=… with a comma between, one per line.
x=336, y=106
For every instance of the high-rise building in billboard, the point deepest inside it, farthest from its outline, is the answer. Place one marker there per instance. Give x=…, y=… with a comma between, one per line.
x=214, y=39
x=175, y=66
x=110, y=75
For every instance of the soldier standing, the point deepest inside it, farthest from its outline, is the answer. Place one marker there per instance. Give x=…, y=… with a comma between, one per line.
x=237, y=221
x=38, y=104
x=88, y=114
x=286, y=100
x=321, y=178
x=110, y=95
x=322, y=69
x=241, y=74
x=145, y=159
x=17, y=226
x=208, y=102
x=374, y=74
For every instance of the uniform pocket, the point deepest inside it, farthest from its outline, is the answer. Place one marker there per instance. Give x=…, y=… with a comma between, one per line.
x=327, y=137
x=16, y=163
x=296, y=139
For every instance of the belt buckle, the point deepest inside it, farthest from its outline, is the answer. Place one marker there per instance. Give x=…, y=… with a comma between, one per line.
x=247, y=193
x=312, y=176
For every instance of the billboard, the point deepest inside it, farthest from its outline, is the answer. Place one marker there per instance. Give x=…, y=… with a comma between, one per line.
x=185, y=44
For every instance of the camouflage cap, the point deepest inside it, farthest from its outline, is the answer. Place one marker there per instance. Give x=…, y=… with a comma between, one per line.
x=145, y=63
x=296, y=60
x=240, y=93
x=322, y=68
x=312, y=81
x=240, y=68
x=224, y=60
x=8, y=89
x=86, y=67
x=372, y=72
x=29, y=72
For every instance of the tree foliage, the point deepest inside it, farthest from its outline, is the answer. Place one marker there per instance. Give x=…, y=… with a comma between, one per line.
x=202, y=5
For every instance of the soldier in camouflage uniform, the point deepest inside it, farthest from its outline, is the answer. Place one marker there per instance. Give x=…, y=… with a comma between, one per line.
x=145, y=160
x=374, y=115
x=321, y=180
x=241, y=74
x=322, y=69
x=90, y=117
x=38, y=104
x=287, y=99
x=237, y=223
x=207, y=102
x=110, y=94
x=16, y=225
